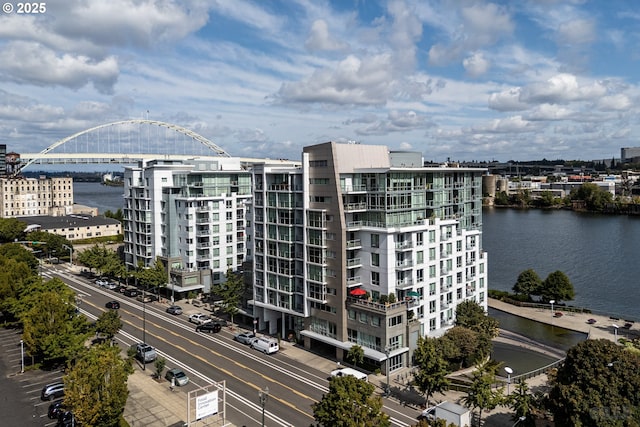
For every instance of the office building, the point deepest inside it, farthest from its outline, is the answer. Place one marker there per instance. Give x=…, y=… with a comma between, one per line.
x=35, y=196
x=358, y=245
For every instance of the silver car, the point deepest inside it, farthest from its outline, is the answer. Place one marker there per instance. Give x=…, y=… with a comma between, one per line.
x=245, y=338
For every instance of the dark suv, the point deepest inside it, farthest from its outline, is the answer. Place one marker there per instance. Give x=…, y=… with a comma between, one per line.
x=209, y=327
x=131, y=292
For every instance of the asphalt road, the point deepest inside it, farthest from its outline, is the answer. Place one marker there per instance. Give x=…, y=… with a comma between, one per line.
x=206, y=358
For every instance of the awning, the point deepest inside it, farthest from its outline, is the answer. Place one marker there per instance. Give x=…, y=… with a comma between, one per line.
x=177, y=288
x=368, y=352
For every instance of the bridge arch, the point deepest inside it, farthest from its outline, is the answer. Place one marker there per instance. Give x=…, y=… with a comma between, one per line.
x=193, y=135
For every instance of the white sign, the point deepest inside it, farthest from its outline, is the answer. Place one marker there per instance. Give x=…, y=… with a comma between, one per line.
x=206, y=405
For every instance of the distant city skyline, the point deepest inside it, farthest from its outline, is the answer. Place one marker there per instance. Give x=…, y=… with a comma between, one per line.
x=467, y=80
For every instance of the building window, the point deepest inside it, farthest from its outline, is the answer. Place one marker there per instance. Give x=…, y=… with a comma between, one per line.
x=375, y=278
x=318, y=163
x=375, y=260
x=420, y=275
x=396, y=320
x=375, y=240
x=363, y=317
x=352, y=314
x=420, y=239
x=420, y=257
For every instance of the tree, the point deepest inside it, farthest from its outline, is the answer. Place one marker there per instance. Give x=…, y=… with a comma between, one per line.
x=461, y=347
x=14, y=274
x=53, y=243
x=471, y=315
x=594, y=197
x=98, y=257
x=481, y=394
x=231, y=292
x=52, y=331
x=350, y=403
x=528, y=283
x=355, y=355
x=109, y=323
x=100, y=376
x=522, y=403
x=597, y=385
x=11, y=229
x=159, y=364
x=558, y=287
x=431, y=375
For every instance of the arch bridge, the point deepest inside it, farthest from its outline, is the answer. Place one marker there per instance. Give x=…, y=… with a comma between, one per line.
x=125, y=142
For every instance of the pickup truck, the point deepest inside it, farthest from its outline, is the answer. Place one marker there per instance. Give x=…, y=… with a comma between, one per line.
x=145, y=353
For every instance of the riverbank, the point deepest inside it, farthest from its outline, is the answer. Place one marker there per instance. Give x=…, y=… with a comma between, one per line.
x=603, y=327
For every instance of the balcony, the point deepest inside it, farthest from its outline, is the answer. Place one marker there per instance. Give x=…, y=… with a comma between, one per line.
x=354, y=189
x=354, y=225
x=354, y=263
x=354, y=281
x=352, y=207
x=404, y=264
x=404, y=245
x=405, y=283
x=354, y=244
x=376, y=307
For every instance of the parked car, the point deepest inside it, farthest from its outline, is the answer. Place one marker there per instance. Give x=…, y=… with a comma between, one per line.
x=66, y=419
x=144, y=298
x=55, y=409
x=131, y=292
x=209, y=327
x=174, y=309
x=199, y=318
x=245, y=338
x=102, y=281
x=265, y=345
x=179, y=377
x=145, y=353
x=113, y=305
x=111, y=286
x=52, y=391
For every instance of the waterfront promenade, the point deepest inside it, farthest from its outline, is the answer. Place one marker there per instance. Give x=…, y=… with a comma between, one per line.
x=602, y=328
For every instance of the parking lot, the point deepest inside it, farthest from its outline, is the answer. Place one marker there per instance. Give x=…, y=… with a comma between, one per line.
x=20, y=404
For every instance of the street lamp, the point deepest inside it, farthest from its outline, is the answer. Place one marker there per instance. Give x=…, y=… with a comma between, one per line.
x=552, y=302
x=615, y=332
x=21, y=356
x=70, y=252
x=263, y=395
x=522, y=418
x=387, y=392
x=509, y=371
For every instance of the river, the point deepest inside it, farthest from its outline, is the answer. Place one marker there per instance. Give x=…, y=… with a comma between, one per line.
x=599, y=254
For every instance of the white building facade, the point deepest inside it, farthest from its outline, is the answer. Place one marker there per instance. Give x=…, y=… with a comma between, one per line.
x=356, y=247
x=192, y=215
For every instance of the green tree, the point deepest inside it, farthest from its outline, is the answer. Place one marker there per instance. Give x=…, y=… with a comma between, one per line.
x=501, y=199
x=159, y=365
x=481, y=395
x=100, y=376
x=96, y=257
x=528, y=283
x=14, y=276
x=461, y=347
x=522, y=403
x=350, y=403
x=594, y=197
x=471, y=315
x=355, y=355
x=597, y=385
x=11, y=229
x=547, y=199
x=19, y=253
x=109, y=323
x=432, y=368
x=557, y=286
x=53, y=243
x=52, y=331
x=231, y=292
x=115, y=215
x=153, y=277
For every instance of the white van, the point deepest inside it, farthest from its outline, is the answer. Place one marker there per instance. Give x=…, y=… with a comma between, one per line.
x=266, y=345
x=349, y=371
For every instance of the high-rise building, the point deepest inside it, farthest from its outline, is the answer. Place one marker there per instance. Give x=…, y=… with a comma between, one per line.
x=191, y=215
x=362, y=246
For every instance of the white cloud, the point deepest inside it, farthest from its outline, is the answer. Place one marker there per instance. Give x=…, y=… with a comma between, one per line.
x=549, y=112
x=476, y=64
x=562, y=88
x=578, y=31
x=32, y=63
x=618, y=102
x=321, y=39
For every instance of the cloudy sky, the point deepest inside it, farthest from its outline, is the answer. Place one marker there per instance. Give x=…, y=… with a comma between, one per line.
x=466, y=80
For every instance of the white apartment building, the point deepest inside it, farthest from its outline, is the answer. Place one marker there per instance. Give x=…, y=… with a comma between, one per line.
x=191, y=214
x=354, y=226
x=35, y=196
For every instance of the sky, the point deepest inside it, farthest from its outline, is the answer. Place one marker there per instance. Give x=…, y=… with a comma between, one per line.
x=453, y=79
